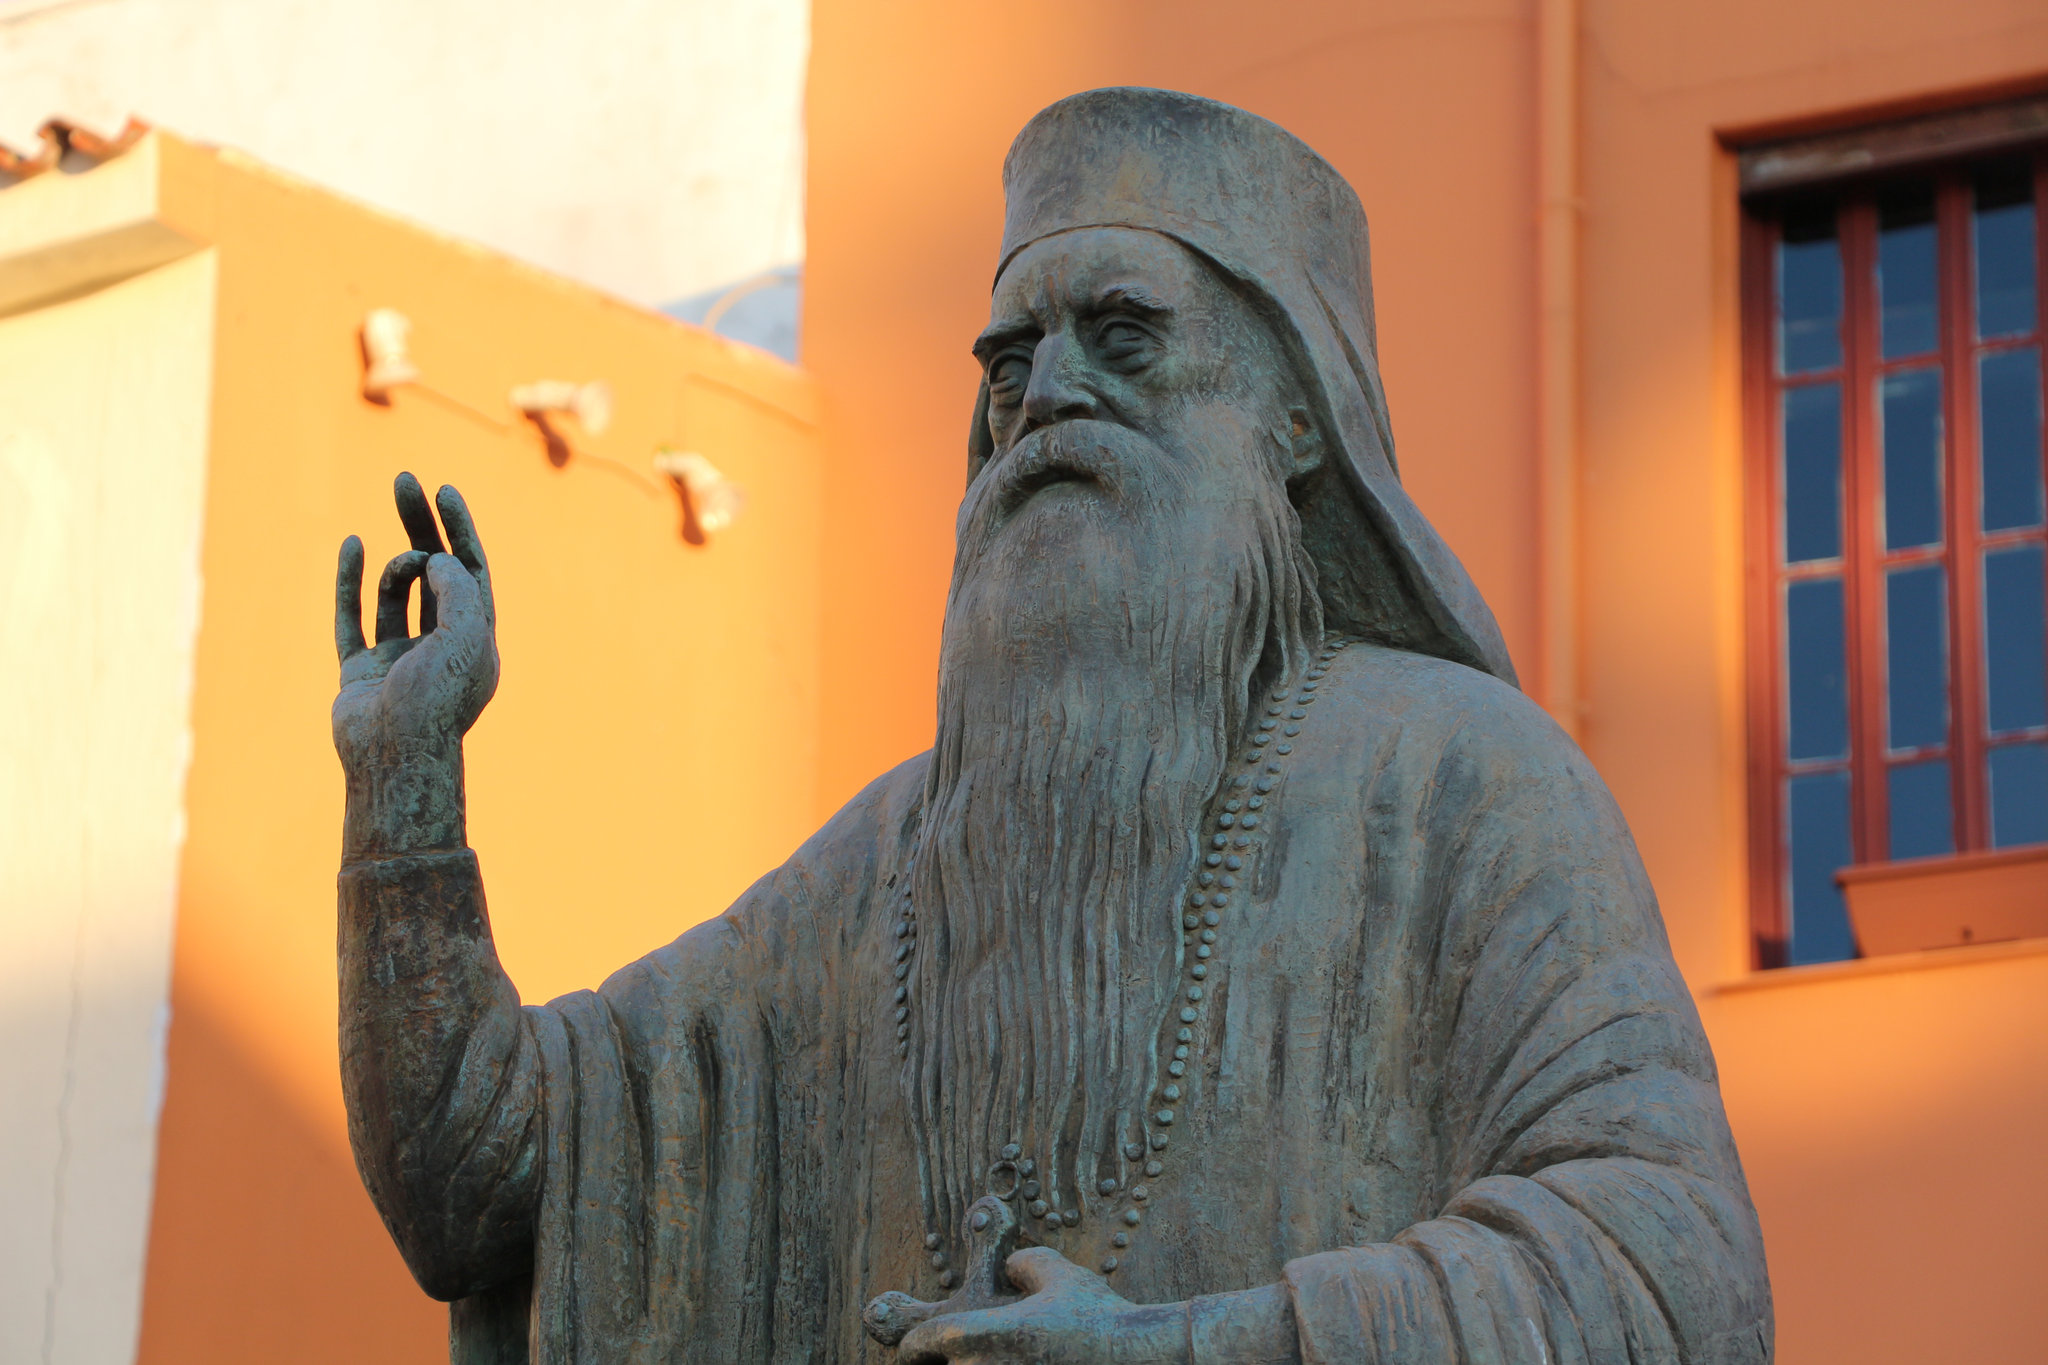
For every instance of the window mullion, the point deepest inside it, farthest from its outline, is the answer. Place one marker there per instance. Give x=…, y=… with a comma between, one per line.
x=1770, y=917
x=1957, y=319
x=2040, y=334
x=1862, y=585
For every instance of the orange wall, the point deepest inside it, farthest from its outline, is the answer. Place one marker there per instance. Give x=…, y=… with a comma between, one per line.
x=1889, y=1119
x=650, y=751
x=1890, y=1123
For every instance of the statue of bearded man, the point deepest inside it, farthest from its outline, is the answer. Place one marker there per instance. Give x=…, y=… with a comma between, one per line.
x=1248, y=973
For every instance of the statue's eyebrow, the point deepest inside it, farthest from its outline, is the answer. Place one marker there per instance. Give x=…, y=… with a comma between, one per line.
x=1002, y=334
x=1132, y=298
x=1115, y=298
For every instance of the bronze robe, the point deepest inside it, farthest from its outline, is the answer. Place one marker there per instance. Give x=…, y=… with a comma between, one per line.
x=1449, y=1086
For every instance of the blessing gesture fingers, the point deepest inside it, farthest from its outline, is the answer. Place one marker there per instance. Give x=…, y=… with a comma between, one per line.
x=406, y=702
x=1070, y=1316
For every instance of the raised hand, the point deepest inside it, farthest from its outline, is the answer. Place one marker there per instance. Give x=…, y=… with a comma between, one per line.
x=406, y=702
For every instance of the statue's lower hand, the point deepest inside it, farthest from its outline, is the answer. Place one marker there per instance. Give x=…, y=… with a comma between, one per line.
x=405, y=703
x=1070, y=1317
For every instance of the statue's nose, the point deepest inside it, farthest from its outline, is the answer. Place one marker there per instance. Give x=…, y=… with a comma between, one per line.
x=1058, y=391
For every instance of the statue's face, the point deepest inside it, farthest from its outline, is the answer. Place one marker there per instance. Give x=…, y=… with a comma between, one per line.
x=1103, y=335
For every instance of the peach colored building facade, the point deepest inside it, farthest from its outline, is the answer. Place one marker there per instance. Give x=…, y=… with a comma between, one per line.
x=185, y=443
x=1556, y=228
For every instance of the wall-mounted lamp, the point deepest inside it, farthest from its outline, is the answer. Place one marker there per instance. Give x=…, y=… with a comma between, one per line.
x=60, y=141
x=590, y=404
x=711, y=502
x=387, y=362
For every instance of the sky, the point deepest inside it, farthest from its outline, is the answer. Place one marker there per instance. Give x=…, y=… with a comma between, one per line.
x=651, y=148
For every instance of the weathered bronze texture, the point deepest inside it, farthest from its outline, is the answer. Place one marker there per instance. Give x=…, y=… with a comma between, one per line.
x=1248, y=973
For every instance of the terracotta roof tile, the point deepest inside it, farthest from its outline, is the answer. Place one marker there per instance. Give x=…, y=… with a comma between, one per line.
x=60, y=138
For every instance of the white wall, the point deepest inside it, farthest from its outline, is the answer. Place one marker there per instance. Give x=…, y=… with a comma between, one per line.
x=103, y=429
x=653, y=148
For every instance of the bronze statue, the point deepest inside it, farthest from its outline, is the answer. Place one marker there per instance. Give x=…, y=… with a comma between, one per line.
x=1248, y=973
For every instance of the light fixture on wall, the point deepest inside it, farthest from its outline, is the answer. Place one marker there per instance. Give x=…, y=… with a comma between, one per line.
x=711, y=501
x=387, y=358
x=589, y=403
x=60, y=142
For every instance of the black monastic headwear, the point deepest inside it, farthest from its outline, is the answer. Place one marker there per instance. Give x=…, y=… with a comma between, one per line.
x=1262, y=207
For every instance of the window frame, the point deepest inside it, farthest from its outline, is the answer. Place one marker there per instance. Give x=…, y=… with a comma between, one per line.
x=1862, y=563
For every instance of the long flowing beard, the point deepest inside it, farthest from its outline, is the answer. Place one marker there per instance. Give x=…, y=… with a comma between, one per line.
x=1088, y=703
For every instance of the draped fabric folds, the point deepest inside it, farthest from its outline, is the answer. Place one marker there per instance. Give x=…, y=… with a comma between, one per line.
x=1451, y=1091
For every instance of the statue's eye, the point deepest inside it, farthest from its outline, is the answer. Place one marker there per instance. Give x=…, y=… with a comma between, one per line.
x=1007, y=377
x=1125, y=343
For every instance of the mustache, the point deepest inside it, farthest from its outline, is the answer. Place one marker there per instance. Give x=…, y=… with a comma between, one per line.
x=1106, y=457
x=1079, y=450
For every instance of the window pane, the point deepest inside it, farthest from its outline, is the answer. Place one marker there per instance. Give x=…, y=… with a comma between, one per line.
x=1905, y=274
x=1816, y=675
x=2015, y=650
x=1813, y=473
x=2005, y=253
x=1817, y=830
x=2009, y=434
x=1911, y=407
x=2019, y=795
x=1809, y=294
x=1922, y=825
x=1916, y=656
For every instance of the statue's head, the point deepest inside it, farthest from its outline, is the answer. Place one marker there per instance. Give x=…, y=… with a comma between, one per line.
x=1180, y=362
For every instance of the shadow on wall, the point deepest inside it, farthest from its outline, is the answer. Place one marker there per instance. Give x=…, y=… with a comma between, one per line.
x=760, y=310
x=224, y=1264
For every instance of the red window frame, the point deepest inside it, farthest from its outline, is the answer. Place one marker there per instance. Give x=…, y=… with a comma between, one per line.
x=1863, y=559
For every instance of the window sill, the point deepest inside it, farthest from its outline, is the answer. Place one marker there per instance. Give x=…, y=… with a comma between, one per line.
x=1926, y=913
x=1772, y=978
x=1943, y=903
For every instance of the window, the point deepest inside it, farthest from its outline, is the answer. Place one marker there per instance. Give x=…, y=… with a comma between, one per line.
x=1898, y=532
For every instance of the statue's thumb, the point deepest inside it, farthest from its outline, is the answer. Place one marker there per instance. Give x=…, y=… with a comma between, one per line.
x=460, y=603
x=1034, y=1270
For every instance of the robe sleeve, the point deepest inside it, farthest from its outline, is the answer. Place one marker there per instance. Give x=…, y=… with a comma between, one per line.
x=1592, y=1206
x=555, y=1170
x=598, y=1180
x=581, y=1179
x=440, y=1071
x=680, y=1110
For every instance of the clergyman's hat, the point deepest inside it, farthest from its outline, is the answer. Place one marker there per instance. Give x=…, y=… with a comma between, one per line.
x=1261, y=206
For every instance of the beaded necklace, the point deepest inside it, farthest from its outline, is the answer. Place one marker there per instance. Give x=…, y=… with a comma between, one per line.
x=1236, y=814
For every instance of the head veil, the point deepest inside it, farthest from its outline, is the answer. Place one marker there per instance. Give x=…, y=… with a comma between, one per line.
x=1266, y=211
